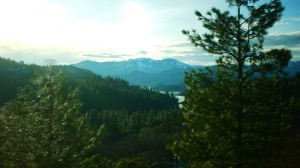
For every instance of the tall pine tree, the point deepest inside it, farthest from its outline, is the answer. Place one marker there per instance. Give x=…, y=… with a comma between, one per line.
x=236, y=116
x=45, y=127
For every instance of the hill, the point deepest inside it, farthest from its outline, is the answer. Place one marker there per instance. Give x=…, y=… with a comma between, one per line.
x=98, y=92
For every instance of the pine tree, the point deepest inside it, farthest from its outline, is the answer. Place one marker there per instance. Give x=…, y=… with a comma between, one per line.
x=45, y=127
x=236, y=116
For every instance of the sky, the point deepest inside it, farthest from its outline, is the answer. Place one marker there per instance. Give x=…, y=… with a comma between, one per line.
x=70, y=31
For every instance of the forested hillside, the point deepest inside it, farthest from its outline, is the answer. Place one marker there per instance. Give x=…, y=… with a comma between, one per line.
x=97, y=92
x=62, y=116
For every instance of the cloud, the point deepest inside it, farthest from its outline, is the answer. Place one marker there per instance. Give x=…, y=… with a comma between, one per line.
x=104, y=55
x=287, y=40
x=47, y=23
x=295, y=19
x=295, y=53
x=182, y=51
x=28, y=53
x=142, y=52
x=183, y=44
x=113, y=56
x=288, y=20
x=188, y=53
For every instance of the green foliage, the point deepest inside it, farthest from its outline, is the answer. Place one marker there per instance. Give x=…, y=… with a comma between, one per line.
x=12, y=76
x=211, y=114
x=101, y=93
x=131, y=134
x=137, y=120
x=238, y=116
x=136, y=162
x=46, y=128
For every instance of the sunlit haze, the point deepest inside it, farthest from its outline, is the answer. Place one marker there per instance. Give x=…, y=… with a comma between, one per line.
x=71, y=31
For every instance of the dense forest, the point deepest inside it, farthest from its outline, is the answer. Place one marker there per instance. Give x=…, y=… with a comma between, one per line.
x=100, y=93
x=131, y=122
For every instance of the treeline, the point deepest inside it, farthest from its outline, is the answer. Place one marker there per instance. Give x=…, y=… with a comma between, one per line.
x=49, y=122
x=116, y=94
x=97, y=92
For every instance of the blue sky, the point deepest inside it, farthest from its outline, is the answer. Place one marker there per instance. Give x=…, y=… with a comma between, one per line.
x=71, y=31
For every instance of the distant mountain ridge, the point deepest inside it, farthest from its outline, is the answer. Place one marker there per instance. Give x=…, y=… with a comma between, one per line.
x=142, y=71
x=153, y=73
x=100, y=93
x=167, y=77
x=147, y=65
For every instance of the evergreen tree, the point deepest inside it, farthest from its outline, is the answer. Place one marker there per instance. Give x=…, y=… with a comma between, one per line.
x=236, y=117
x=46, y=127
x=137, y=162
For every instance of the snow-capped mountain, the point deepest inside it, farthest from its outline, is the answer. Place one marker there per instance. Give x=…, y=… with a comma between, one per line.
x=153, y=73
x=142, y=71
x=146, y=65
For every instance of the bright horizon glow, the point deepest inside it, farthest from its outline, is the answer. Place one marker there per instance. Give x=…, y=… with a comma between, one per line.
x=73, y=31
x=134, y=28
x=47, y=24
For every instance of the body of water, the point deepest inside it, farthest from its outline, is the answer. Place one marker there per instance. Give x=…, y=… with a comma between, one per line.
x=180, y=98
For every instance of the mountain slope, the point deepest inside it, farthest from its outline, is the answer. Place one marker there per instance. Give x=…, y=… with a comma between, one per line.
x=97, y=92
x=142, y=71
x=153, y=73
x=167, y=77
x=146, y=65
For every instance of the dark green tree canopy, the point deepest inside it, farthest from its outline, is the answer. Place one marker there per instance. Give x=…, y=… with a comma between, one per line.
x=45, y=127
x=236, y=116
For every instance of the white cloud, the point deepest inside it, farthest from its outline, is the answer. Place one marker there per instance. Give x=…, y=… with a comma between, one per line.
x=296, y=19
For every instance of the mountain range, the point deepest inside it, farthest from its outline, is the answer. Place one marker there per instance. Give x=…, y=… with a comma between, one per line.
x=146, y=65
x=142, y=71
x=157, y=74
